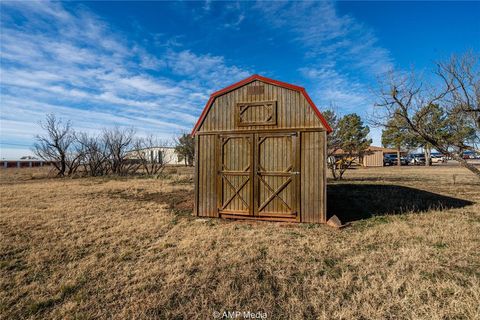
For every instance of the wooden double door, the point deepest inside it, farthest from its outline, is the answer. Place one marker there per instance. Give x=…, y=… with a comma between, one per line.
x=258, y=175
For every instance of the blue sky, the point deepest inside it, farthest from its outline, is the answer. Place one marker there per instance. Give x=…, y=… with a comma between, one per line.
x=152, y=65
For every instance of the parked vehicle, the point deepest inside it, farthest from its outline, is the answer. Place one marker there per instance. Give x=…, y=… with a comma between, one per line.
x=438, y=158
x=417, y=159
x=392, y=160
x=470, y=155
x=403, y=161
x=388, y=160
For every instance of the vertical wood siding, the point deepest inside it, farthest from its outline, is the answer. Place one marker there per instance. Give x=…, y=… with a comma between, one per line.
x=207, y=200
x=275, y=155
x=373, y=159
x=293, y=110
x=313, y=177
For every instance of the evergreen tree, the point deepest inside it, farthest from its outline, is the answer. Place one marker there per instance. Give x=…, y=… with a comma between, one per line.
x=185, y=149
x=395, y=136
x=351, y=137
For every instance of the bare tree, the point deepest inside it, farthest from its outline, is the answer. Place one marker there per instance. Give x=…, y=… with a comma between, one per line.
x=334, y=143
x=94, y=154
x=56, y=145
x=431, y=113
x=461, y=77
x=118, y=143
x=150, y=155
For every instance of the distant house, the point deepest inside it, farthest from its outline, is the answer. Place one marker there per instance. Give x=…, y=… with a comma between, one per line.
x=24, y=163
x=373, y=156
x=158, y=154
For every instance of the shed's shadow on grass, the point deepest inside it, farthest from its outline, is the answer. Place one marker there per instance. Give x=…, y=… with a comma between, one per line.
x=179, y=201
x=350, y=202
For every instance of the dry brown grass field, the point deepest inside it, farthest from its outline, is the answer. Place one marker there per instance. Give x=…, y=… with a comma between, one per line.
x=129, y=248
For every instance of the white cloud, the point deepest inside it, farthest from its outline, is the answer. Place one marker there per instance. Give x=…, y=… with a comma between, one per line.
x=70, y=62
x=342, y=56
x=150, y=85
x=236, y=23
x=337, y=46
x=327, y=35
x=207, y=5
x=335, y=88
x=212, y=69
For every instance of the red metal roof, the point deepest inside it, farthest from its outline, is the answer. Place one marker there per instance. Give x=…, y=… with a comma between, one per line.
x=266, y=80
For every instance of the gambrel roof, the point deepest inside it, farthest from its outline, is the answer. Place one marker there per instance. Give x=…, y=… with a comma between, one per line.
x=252, y=78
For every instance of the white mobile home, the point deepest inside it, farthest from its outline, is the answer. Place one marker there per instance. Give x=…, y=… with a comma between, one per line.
x=160, y=154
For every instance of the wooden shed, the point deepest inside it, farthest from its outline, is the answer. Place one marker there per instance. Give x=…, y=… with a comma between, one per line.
x=261, y=154
x=373, y=156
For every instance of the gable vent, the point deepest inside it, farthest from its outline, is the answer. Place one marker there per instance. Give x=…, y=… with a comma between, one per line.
x=255, y=90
